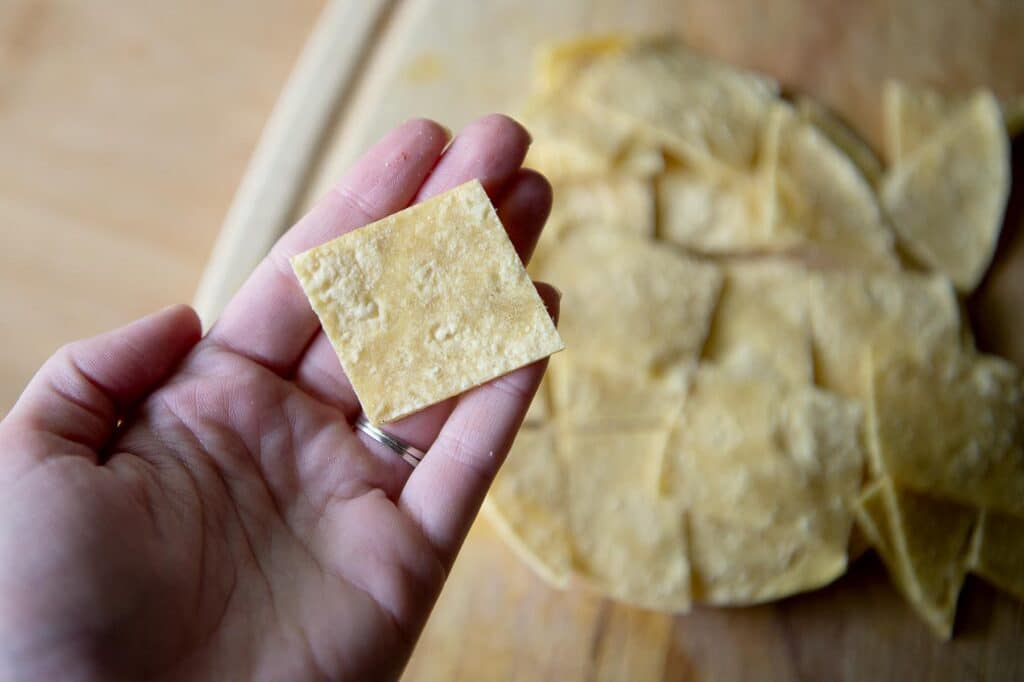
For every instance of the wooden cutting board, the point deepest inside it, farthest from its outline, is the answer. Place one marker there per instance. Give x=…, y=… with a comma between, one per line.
x=374, y=63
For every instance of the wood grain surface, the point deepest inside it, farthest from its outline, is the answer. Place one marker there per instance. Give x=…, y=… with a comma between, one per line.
x=124, y=128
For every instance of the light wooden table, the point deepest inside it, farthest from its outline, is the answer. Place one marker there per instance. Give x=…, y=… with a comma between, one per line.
x=124, y=130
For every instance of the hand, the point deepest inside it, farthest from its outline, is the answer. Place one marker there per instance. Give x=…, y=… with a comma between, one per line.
x=174, y=506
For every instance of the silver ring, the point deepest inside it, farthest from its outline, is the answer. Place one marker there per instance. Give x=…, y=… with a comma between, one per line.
x=411, y=455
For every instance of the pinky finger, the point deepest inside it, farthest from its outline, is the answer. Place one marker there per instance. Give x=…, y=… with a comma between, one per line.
x=445, y=491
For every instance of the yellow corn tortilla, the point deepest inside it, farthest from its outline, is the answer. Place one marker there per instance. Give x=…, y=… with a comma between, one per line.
x=737, y=563
x=627, y=541
x=823, y=198
x=998, y=551
x=762, y=322
x=751, y=448
x=946, y=199
x=587, y=396
x=912, y=115
x=717, y=213
x=924, y=543
x=842, y=136
x=571, y=139
x=618, y=202
x=950, y=428
x=856, y=313
x=527, y=506
x=700, y=110
x=639, y=305
x=426, y=303
x=559, y=64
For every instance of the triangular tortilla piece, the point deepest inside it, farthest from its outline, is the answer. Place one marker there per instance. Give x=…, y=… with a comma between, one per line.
x=751, y=449
x=947, y=199
x=527, y=505
x=627, y=541
x=618, y=202
x=952, y=428
x=641, y=304
x=736, y=563
x=762, y=322
x=853, y=313
x=701, y=110
x=842, y=136
x=924, y=542
x=998, y=553
x=588, y=396
x=824, y=198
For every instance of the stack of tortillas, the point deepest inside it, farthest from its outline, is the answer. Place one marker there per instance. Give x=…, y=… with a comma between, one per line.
x=764, y=340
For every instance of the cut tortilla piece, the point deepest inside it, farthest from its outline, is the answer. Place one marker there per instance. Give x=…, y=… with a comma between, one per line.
x=762, y=322
x=630, y=303
x=998, y=551
x=912, y=115
x=854, y=313
x=842, y=136
x=824, y=198
x=627, y=541
x=723, y=211
x=426, y=303
x=946, y=200
x=560, y=64
x=572, y=139
x=527, y=505
x=702, y=111
x=717, y=213
x=587, y=396
x=618, y=202
x=951, y=429
x=924, y=543
x=751, y=449
x=737, y=563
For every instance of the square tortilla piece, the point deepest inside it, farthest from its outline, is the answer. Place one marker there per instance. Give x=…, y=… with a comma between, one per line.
x=426, y=303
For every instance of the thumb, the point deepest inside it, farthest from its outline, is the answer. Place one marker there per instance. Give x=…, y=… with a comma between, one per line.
x=85, y=387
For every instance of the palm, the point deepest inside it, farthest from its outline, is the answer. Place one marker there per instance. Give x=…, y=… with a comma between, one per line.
x=236, y=527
